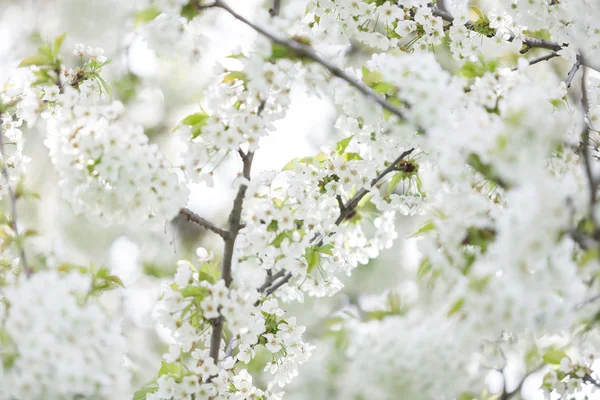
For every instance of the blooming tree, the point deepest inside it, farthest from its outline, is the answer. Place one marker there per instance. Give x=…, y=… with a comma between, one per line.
x=479, y=119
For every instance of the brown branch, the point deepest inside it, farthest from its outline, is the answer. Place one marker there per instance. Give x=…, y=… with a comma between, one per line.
x=304, y=51
x=206, y=224
x=13, y=205
x=234, y=226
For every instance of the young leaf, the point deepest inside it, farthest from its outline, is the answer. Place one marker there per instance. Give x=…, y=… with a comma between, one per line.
x=56, y=46
x=34, y=60
x=340, y=146
x=554, y=356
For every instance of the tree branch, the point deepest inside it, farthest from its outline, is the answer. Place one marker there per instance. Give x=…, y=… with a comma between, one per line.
x=206, y=224
x=302, y=50
x=234, y=226
x=13, y=205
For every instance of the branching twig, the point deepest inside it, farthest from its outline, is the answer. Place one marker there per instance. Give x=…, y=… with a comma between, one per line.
x=573, y=71
x=13, y=205
x=345, y=210
x=547, y=57
x=304, y=51
x=234, y=226
x=193, y=217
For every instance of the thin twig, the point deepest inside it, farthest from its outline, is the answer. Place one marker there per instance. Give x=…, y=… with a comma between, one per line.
x=547, y=57
x=573, y=71
x=234, y=226
x=13, y=205
x=304, y=51
x=193, y=217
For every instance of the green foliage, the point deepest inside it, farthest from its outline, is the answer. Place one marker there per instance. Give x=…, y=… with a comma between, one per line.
x=486, y=170
x=195, y=291
x=196, y=121
x=148, y=388
x=429, y=226
x=340, y=147
x=473, y=69
x=146, y=15
x=554, y=356
x=313, y=258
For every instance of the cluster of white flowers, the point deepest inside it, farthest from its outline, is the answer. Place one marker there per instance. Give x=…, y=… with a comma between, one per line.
x=57, y=342
x=238, y=110
x=408, y=24
x=107, y=166
x=192, y=305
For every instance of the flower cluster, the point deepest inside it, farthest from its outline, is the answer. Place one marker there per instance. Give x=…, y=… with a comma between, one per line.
x=107, y=167
x=239, y=110
x=379, y=25
x=58, y=343
x=193, y=305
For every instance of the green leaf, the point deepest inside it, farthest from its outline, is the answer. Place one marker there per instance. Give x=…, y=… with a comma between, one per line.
x=35, y=60
x=325, y=249
x=370, y=78
x=197, y=122
x=146, y=15
x=58, y=42
x=190, y=11
x=313, y=258
x=478, y=12
x=194, y=291
x=148, y=388
x=394, y=182
x=425, y=228
x=105, y=85
x=205, y=276
x=554, y=356
x=456, y=307
x=235, y=75
x=384, y=88
x=273, y=226
x=279, y=51
x=340, y=146
x=169, y=368
x=589, y=255
x=424, y=268
x=279, y=239
x=352, y=156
